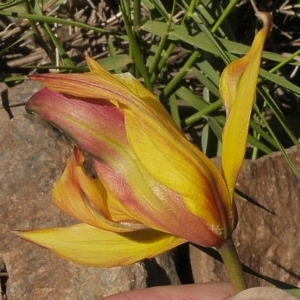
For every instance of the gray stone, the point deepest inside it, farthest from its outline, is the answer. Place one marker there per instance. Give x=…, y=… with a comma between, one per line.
x=267, y=235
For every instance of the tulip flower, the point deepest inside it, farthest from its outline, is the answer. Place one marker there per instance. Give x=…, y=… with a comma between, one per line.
x=153, y=189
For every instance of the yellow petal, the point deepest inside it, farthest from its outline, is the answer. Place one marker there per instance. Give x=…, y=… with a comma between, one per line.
x=135, y=86
x=238, y=90
x=93, y=65
x=177, y=164
x=90, y=246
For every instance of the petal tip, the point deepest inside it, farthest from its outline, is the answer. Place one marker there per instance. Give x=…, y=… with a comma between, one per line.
x=16, y=232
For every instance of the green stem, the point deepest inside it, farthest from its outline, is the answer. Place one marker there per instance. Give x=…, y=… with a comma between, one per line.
x=203, y=112
x=135, y=50
x=137, y=32
x=188, y=64
x=224, y=15
x=167, y=53
x=137, y=16
x=39, y=37
x=233, y=265
x=161, y=46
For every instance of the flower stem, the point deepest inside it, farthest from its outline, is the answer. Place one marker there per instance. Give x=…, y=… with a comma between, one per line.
x=233, y=265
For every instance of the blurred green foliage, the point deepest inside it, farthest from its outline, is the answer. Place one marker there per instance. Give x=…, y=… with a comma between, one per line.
x=178, y=50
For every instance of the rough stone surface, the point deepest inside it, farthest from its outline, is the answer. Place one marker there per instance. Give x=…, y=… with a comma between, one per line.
x=32, y=158
x=267, y=235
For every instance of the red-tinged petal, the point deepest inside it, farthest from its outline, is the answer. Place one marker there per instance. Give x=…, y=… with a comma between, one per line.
x=90, y=246
x=156, y=206
x=97, y=128
x=97, y=85
x=237, y=90
x=121, y=90
x=86, y=199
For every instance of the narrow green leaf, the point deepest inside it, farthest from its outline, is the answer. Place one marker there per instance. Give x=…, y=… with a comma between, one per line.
x=14, y=5
x=188, y=96
x=148, y=4
x=57, y=20
x=280, y=81
x=210, y=71
x=174, y=109
x=215, y=127
x=278, y=114
x=160, y=28
x=210, y=143
x=281, y=148
x=206, y=81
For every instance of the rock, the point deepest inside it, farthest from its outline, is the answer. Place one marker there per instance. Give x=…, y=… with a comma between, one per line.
x=32, y=158
x=15, y=98
x=267, y=235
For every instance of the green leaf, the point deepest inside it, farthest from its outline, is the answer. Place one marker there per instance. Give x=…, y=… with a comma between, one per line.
x=115, y=62
x=206, y=80
x=280, y=81
x=161, y=28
